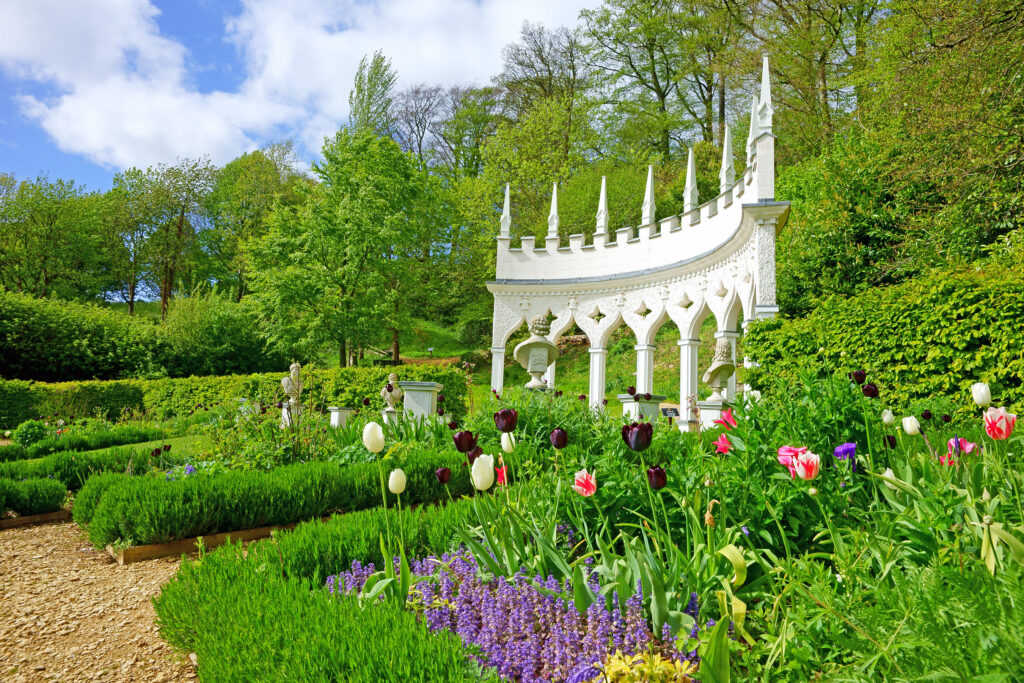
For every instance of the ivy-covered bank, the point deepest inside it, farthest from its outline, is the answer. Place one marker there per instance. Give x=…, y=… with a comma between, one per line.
x=933, y=336
x=170, y=397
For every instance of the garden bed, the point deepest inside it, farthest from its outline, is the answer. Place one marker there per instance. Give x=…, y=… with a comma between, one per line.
x=30, y=520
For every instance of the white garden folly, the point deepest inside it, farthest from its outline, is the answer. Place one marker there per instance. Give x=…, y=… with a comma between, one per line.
x=716, y=258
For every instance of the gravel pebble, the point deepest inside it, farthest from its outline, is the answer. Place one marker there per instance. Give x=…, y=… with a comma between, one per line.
x=70, y=615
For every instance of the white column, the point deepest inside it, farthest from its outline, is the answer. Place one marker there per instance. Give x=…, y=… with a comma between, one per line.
x=687, y=373
x=644, y=368
x=765, y=244
x=598, y=365
x=498, y=368
x=549, y=376
x=730, y=385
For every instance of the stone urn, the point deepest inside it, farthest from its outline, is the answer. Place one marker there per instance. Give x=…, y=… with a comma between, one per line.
x=292, y=385
x=392, y=395
x=536, y=353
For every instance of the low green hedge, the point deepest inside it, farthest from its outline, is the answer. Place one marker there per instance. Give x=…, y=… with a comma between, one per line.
x=245, y=621
x=88, y=497
x=172, y=397
x=118, y=436
x=933, y=336
x=155, y=510
x=32, y=496
x=72, y=468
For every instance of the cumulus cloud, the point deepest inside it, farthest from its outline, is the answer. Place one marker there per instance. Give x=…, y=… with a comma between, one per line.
x=120, y=92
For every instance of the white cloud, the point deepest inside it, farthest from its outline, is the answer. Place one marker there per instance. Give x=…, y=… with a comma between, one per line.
x=122, y=95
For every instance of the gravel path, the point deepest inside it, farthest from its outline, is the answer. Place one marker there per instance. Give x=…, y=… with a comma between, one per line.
x=67, y=613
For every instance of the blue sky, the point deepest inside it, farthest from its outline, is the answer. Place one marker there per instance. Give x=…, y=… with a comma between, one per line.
x=90, y=88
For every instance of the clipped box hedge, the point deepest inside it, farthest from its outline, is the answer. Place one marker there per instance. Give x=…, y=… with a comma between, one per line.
x=32, y=496
x=118, y=436
x=147, y=510
x=933, y=336
x=73, y=468
x=172, y=397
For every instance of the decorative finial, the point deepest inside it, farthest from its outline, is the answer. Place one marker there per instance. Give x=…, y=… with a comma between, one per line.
x=690, y=191
x=752, y=135
x=602, y=209
x=727, y=176
x=506, y=215
x=764, y=105
x=553, y=216
x=647, y=213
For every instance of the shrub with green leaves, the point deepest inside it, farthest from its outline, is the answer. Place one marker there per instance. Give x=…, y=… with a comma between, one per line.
x=157, y=510
x=245, y=621
x=88, y=497
x=32, y=496
x=117, y=436
x=73, y=468
x=30, y=433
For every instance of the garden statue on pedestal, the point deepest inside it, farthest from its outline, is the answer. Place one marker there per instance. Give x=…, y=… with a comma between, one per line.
x=722, y=368
x=392, y=394
x=536, y=353
x=292, y=384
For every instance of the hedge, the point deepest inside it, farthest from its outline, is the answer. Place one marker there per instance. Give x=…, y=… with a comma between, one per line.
x=154, y=510
x=32, y=496
x=118, y=436
x=933, y=336
x=171, y=397
x=72, y=468
x=88, y=497
x=245, y=621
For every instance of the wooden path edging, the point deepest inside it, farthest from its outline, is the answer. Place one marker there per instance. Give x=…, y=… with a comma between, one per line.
x=58, y=516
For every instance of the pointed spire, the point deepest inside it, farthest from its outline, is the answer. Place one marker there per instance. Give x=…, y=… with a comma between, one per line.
x=765, y=109
x=727, y=176
x=647, y=212
x=553, y=216
x=506, y=216
x=602, y=209
x=690, y=191
x=752, y=135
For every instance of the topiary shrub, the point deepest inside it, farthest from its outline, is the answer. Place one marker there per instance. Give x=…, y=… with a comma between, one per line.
x=32, y=496
x=29, y=433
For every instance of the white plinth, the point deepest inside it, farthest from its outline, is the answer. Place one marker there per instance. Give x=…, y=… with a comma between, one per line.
x=391, y=416
x=339, y=416
x=639, y=407
x=420, y=398
x=292, y=410
x=709, y=412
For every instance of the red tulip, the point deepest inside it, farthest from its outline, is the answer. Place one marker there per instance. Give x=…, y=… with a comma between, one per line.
x=999, y=424
x=723, y=444
x=727, y=420
x=585, y=483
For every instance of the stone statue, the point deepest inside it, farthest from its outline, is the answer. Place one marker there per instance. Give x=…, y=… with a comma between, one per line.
x=536, y=353
x=391, y=393
x=722, y=368
x=292, y=385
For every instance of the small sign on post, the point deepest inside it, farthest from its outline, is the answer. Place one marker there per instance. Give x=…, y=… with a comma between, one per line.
x=670, y=413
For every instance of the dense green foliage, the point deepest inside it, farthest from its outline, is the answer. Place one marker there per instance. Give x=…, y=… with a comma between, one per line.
x=73, y=468
x=156, y=510
x=246, y=621
x=170, y=397
x=83, y=441
x=933, y=336
x=31, y=496
x=88, y=497
x=29, y=433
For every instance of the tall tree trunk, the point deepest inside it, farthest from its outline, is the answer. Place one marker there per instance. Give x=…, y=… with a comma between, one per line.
x=395, y=357
x=342, y=356
x=241, y=286
x=721, y=108
x=131, y=298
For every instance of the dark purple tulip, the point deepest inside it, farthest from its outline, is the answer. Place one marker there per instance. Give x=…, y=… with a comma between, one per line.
x=859, y=376
x=440, y=412
x=890, y=441
x=390, y=387
x=464, y=441
x=583, y=397
x=604, y=401
x=443, y=474
x=631, y=391
x=167, y=447
x=453, y=425
x=440, y=398
x=506, y=419
x=559, y=438
x=474, y=454
x=656, y=477
x=155, y=452
x=947, y=419
x=870, y=390
x=647, y=396
x=279, y=404
x=638, y=435
x=926, y=414
x=366, y=402
x=558, y=393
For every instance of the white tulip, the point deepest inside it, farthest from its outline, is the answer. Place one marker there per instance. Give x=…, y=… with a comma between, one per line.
x=482, y=473
x=396, y=482
x=982, y=394
x=7, y=434
x=373, y=437
x=889, y=474
x=888, y=419
x=508, y=442
x=911, y=426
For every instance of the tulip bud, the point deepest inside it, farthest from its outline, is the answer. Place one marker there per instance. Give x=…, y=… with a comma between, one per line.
x=911, y=426
x=656, y=477
x=859, y=376
x=508, y=442
x=889, y=474
x=443, y=475
x=559, y=438
x=373, y=437
x=870, y=390
x=396, y=482
x=482, y=472
x=888, y=419
x=982, y=394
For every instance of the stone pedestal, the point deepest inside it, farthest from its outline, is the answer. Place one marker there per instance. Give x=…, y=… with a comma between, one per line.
x=391, y=416
x=640, y=408
x=339, y=416
x=290, y=412
x=709, y=412
x=420, y=398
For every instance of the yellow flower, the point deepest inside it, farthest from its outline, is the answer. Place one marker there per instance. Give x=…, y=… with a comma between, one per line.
x=622, y=668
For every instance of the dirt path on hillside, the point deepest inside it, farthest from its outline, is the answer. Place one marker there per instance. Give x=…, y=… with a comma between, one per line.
x=68, y=613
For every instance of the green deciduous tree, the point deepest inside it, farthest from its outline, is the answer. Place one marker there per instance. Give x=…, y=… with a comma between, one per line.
x=370, y=100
